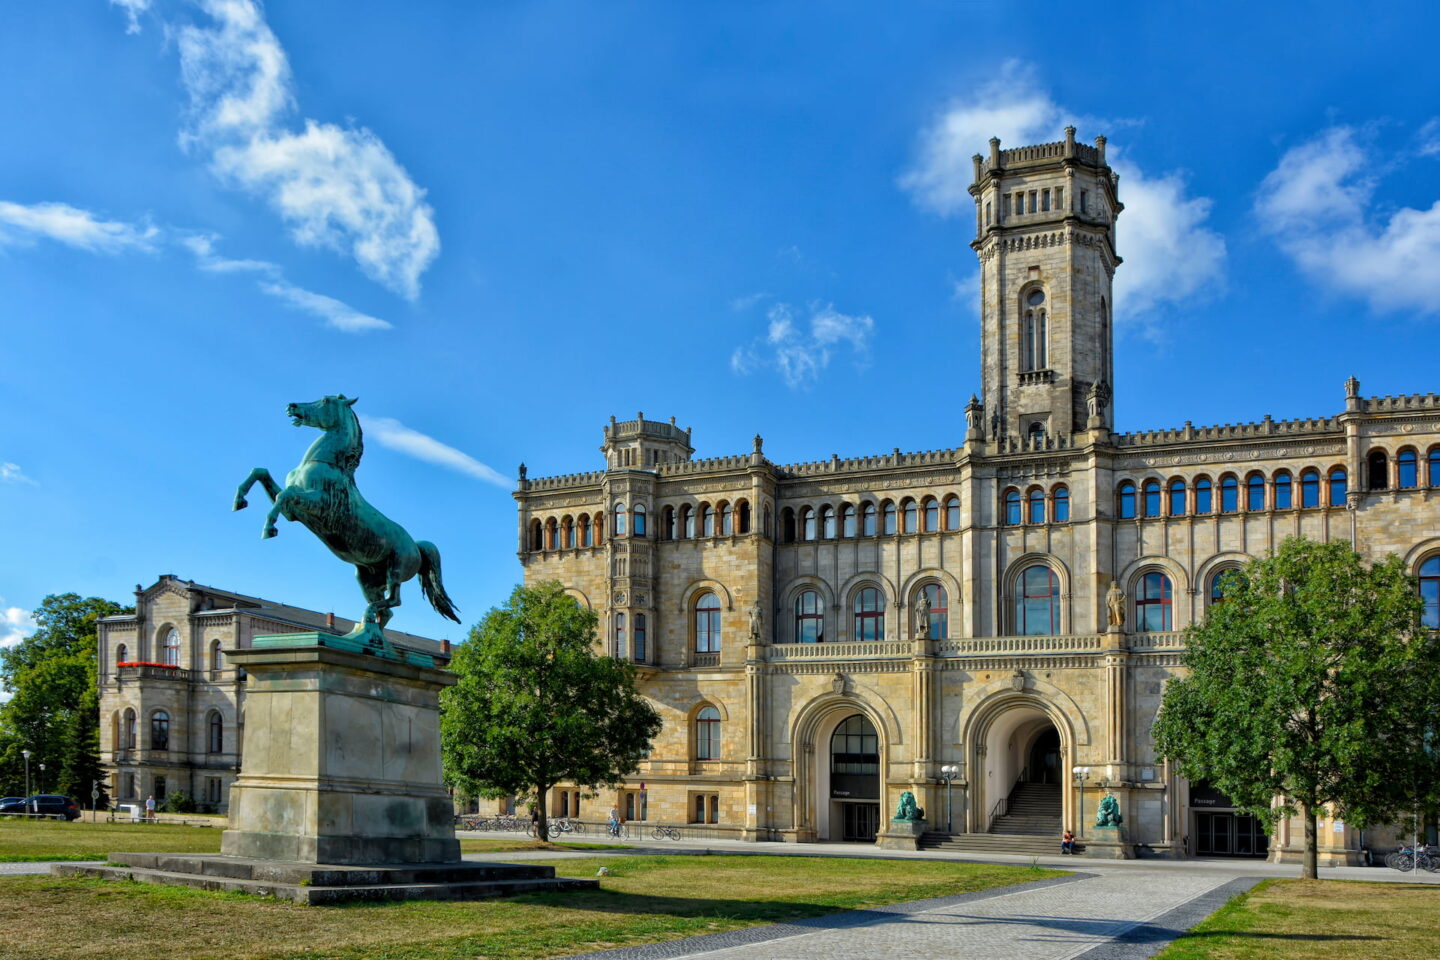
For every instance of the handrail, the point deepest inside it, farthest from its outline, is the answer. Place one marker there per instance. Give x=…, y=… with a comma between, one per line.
x=998, y=810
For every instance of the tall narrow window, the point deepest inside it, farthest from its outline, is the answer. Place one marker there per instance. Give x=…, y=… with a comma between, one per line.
x=1177, y=498
x=1282, y=491
x=172, y=648
x=889, y=518
x=1061, y=505
x=827, y=522
x=1035, y=506
x=1229, y=494
x=1029, y=340
x=567, y=533
x=1433, y=470
x=585, y=540
x=807, y=524
x=1059, y=198
x=939, y=602
x=1152, y=498
x=707, y=520
x=867, y=519
x=1152, y=604
x=1310, y=489
x=1377, y=468
x=707, y=624
x=912, y=524
x=621, y=649
x=869, y=615
x=1406, y=470
x=215, y=659
x=847, y=520
x=744, y=515
x=1045, y=200
x=1126, y=498
x=1005, y=206
x=707, y=734
x=667, y=523
x=1255, y=492
x=1012, y=507
x=1037, y=603
x=987, y=214
x=787, y=525
x=215, y=742
x=952, y=513
x=639, y=643
x=130, y=736
x=932, y=515
x=1338, y=488
x=1202, y=496
x=809, y=618
x=1084, y=201
x=687, y=521
x=122, y=654
x=1430, y=592
x=619, y=525
x=637, y=517
x=159, y=730
x=727, y=520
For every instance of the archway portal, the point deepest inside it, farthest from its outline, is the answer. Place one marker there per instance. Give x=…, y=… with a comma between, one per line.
x=855, y=780
x=1024, y=774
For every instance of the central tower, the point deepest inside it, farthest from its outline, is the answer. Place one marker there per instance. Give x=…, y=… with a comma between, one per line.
x=1045, y=236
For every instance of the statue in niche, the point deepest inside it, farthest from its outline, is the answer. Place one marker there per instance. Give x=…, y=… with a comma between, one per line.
x=1115, y=601
x=922, y=616
x=757, y=622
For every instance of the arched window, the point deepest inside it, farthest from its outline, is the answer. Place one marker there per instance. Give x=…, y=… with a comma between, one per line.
x=1229, y=494
x=1219, y=581
x=129, y=740
x=809, y=618
x=1061, y=505
x=744, y=514
x=1035, y=506
x=787, y=525
x=1177, y=497
x=1037, y=602
x=639, y=648
x=215, y=728
x=939, y=611
x=869, y=615
x=707, y=624
x=667, y=523
x=707, y=734
x=888, y=513
x=215, y=662
x=1283, y=499
x=855, y=748
x=159, y=730
x=707, y=520
x=1035, y=334
x=1202, y=496
x=1152, y=604
x=1433, y=470
x=620, y=638
x=1430, y=592
x=617, y=529
x=687, y=521
x=1010, y=510
x=637, y=520
x=827, y=522
x=537, y=535
x=599, y=524
x=1377, y=468
x=1407, y=470
x=122, y=654
x=1310, y=488
x=1152, y=498
x=552, y=534
x=567, y=533
x=1126, y=497
x=912, y=516
x=1338, y=488
x=1255, y=492
x=932, y=514
x=867, y=519
x=952, y=513
x=807, y=523
x=172, y=649
x=847, y=520
x=727, y=520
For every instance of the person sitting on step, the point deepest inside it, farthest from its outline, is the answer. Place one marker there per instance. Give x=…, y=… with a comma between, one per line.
x=1067, y=842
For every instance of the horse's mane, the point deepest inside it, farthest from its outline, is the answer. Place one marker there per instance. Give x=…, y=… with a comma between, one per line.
x=351, y=458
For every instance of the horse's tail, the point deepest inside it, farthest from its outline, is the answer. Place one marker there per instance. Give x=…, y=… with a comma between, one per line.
x=430, y=581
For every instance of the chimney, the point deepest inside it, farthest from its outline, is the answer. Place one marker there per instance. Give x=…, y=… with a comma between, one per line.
x=330, y=621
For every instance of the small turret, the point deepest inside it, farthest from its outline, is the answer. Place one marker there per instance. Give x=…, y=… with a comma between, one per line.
x=642, y=444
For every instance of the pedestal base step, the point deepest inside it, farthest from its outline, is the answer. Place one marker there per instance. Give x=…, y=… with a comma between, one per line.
x=318, y=884
x=995, y=843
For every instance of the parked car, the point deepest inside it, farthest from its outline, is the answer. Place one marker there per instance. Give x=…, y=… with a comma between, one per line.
x=5, y=800
x=45, y=805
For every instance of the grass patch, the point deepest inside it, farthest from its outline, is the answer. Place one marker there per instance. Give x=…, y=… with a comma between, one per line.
x=502, y=846
x=645, y=899
x=1318, y=920
x=32, y=840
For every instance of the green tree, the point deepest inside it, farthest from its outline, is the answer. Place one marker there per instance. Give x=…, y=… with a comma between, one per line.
x=54, y=711
x=536, y=706
x=1312, y=684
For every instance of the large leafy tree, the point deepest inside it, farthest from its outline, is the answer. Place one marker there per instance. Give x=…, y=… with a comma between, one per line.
x=536, y=706
x=54, y=710
x=1311, y=684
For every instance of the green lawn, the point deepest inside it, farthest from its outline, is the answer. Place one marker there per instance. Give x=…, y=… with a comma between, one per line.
x=1319, y=920
x=645, y=899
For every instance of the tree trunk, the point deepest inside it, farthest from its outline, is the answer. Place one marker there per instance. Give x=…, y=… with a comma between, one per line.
x=542, y=826
x=1308, y=863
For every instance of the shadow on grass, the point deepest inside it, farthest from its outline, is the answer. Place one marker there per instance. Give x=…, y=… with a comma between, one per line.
x=1089, y=928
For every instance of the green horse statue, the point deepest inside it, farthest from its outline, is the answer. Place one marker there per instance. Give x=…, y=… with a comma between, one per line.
x=321, y=494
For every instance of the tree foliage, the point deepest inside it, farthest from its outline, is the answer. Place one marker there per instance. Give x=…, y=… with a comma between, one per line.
x=536, y=706
x=1310, y=685
x=55, y=710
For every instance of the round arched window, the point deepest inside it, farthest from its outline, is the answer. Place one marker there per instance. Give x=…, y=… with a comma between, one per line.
x=1036, y=298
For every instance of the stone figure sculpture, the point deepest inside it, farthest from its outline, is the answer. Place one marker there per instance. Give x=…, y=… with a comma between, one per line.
x=1109, y=813
x=907, y=810
x=320, y=493
x=922, y=616
x=1115, y=601
x=757, y=621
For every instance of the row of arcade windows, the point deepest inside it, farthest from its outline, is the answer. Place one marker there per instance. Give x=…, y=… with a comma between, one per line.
x=170, y=652
x=869, y=519
x=1406, y=474
x=723, y=520
x=1178, y=499
x=1038, y=600
x=124, y=733
x=868, y=614
x=1036, y=507
x=568, y=532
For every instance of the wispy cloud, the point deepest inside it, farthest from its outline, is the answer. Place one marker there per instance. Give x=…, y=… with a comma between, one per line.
x=62, y=223
x=336, y=187
x=1171, y=256
x=11, y=473
x=800, y=349
x=203, y=248
x=395, y=435
x=1318, y=203
x=1428, y=137
x=15, y=624
x=133, y=9
x=339, y=315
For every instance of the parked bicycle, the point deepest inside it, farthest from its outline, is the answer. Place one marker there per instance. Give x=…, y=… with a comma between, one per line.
x=1407, y=859
x=665, y=833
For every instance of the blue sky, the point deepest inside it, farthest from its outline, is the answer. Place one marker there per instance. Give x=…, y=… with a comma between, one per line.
x=498, y=224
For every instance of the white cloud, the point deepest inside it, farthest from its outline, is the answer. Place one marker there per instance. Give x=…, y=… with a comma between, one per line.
x=1317, y=203
x=801, y=350
x=133, y=9
x=395, y=435
x=1169, y=254
x=71, y=226
x=203, y=247
x=1429, y=138
x=11, y=473
x=15, y=625
x=336, y=187
x=339, y=315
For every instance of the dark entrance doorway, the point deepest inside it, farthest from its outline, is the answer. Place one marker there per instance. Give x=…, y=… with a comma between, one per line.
x=862, y=821
x=1229, y=835
x=1043, y=764
x=855, y=779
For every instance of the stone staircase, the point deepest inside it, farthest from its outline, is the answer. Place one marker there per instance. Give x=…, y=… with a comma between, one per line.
x=1030, y=825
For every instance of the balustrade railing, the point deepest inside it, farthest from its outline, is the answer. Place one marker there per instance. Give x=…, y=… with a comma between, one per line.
x=152, y=671
x=705, y=659
x=847, y=650
x=988, y=646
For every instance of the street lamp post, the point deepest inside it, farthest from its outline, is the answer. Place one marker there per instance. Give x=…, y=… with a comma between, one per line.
x=26, y=755
x=1081, y=775
x=948, y=773
x=41, y=784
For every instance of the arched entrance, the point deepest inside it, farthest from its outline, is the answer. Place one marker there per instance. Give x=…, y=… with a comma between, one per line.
x=1020, y=755
x=854, y=768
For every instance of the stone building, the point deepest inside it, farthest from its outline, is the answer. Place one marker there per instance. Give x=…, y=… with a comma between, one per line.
x=172, y=709
x=819, y=637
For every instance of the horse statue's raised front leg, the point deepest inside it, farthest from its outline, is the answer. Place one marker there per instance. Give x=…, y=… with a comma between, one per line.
x=261, y=476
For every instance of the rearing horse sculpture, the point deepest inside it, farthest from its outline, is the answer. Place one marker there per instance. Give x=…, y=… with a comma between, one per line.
x=321, y=494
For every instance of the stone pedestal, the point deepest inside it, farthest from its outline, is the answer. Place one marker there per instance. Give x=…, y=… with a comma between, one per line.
x=1108, y=843
x=902, y=835
x=342, y=758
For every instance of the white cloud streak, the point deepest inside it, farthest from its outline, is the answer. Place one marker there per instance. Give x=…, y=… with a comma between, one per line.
x=1170, y=255
x=395, y=435
x=801, y=349
x=11, y=473
x=15, y=625
x=339, y=188
x=62, y=223
x=133, y=9
x=339, y=315
x=1318, y=204
x=1429, y=138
